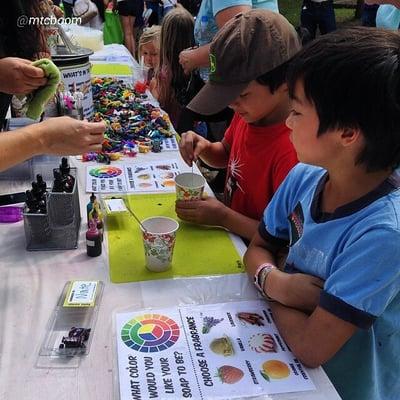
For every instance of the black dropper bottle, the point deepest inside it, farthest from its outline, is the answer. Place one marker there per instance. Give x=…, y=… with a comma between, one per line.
x=65, y=172
x=58, y=184
x=41, y=183
x=32, y=203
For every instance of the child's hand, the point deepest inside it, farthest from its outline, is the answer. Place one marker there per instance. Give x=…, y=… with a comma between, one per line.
x=191, y=145
x=208, y=211
x=299, y=291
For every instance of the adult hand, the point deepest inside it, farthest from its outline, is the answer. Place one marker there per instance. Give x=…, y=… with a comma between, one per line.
x=298, y=290
x=187, y=59
x=191, y=145
x=68, y=136
x=19, y=76
x=208, y=211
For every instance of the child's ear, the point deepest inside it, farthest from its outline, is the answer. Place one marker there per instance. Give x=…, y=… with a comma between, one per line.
x=284, y=88
x=349, y=136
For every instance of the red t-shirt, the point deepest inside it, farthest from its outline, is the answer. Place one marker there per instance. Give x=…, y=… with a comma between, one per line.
x=259, y=160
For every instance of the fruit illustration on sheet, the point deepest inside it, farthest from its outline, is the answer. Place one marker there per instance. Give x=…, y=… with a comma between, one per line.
x=222, y=346
x=262, y=343
x=274, y=369
x=229, y=374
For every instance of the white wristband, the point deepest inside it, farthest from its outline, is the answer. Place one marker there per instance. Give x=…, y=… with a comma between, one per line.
x=261, y=275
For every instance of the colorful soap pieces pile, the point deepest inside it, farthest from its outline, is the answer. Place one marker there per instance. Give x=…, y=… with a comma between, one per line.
x=132, y=122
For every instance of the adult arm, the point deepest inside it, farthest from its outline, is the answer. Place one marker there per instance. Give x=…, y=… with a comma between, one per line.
x=191, y=59
x=58, y=136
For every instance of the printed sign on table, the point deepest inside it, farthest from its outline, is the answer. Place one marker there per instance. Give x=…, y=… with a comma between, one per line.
x=140, y=177
x=152, y=176
x=214, y=351
x=105, y=179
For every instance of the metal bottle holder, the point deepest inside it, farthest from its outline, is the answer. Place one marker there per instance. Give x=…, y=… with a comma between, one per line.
x=58, y=229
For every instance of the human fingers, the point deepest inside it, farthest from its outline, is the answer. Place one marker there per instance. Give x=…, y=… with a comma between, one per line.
x=186, y=214
x=187, y=205
x=31, y=71
x=186, y=147
x=97, y=128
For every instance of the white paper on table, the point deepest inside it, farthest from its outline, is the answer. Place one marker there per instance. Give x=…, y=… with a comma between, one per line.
x=165, y=354
x=139, y=177
x=152, y=176
x=105, y=179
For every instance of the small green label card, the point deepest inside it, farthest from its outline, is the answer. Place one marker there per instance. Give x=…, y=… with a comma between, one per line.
x=81, y=294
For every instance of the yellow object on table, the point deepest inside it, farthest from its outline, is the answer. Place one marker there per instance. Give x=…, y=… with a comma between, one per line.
x=198, y=250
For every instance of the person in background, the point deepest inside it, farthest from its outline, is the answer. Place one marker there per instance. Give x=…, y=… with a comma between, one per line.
x=168, y=5
x=129, y=11
x=249, y=58
x=68, y=8
x=156, y=7
x=101, y=7
x=318, y=14
x=337, y=300
x=212, y=16
x=171, y=86
x=368, y=17
x=388, y=14
x=149, y=50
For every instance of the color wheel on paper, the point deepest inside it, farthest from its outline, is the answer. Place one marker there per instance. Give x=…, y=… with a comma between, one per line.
x=105, y=172
x=150, y=333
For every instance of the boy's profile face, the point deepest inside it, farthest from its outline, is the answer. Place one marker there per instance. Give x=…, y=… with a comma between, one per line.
x=150, y=55
x=303, y=121
x=257, y=105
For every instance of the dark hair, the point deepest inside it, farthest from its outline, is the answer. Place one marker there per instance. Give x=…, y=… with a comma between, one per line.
x=274, y=78
x=25, y=42
x=352, y=76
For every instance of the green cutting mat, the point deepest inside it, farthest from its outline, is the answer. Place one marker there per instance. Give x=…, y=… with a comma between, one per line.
x=198, y=250
x=111, y=69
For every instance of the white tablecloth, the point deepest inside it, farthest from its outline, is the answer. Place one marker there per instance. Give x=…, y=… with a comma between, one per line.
x=30, y=284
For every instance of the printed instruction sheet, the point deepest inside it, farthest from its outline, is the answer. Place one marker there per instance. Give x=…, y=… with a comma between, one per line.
x=215, y=351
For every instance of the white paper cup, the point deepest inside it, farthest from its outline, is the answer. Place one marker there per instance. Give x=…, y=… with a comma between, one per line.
x=189, y=186
x=158, y=241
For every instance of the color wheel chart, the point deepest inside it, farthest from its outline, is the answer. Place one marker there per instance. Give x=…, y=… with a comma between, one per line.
x=105, y=172
x=150, y=333
x=105, y=179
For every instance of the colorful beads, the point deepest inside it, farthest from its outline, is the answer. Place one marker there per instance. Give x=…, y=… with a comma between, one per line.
x=129, y=118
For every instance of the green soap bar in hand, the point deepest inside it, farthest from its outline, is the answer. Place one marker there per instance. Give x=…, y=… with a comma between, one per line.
x=43, y=94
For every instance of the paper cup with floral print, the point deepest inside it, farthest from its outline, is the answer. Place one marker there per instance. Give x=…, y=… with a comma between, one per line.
x=189, y=186
x=158, y=241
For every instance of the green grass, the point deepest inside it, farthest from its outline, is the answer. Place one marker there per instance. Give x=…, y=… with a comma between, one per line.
x=291, y=10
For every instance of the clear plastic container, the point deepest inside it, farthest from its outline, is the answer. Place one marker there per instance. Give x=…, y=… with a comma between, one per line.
x=70, y=328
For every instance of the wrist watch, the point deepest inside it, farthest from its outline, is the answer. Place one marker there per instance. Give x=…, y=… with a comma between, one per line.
x=260, y=277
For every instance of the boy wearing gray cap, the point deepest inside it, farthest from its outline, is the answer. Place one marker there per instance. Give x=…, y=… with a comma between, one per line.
x=248, y=62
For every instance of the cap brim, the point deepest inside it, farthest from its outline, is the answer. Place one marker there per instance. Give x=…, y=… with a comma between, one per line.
x=213, y=98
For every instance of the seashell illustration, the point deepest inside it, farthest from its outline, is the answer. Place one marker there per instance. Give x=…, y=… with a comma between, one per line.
x=229, y=374
x=262, y=343
x=222, y=346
